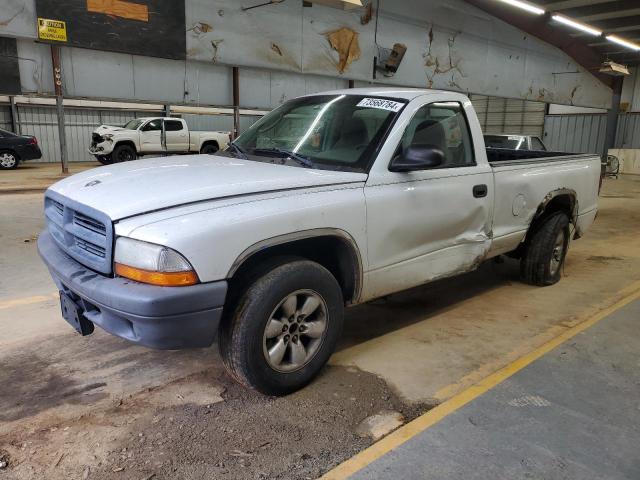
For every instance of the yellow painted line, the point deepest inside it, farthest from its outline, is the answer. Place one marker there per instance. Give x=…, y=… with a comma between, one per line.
x=18, y=302
x=423, y=422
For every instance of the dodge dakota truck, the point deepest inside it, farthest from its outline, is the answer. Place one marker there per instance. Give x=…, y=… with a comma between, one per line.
x=330, y=200
x=146, y=136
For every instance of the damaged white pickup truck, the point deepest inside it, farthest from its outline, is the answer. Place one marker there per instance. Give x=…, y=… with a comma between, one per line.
x=152, y=135
x=330, y=200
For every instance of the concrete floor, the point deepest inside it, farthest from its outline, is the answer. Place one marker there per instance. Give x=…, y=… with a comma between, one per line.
x=572, y=414
x=70, y=404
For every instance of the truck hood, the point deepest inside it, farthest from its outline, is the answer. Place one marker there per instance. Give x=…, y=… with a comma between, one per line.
x=142, y=186
x=102, y=129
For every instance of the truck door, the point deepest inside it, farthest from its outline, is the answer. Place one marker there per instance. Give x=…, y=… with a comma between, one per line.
x=177, y=136
x=432, y=223
x=150, y=136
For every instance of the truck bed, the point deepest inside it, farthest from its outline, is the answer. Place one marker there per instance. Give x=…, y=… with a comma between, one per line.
x=502, y=156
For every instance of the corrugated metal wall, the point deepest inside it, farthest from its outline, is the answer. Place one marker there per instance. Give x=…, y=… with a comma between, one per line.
x=41, y=122
x=5, y=118
x=505, y=115
x=575, y=133
x=628, y=135
x=586, y=133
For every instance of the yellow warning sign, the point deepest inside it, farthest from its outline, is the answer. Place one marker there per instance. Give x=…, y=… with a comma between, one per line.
x=52, y=30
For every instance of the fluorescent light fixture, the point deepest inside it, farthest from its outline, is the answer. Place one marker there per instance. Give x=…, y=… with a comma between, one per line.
x=623, y=42
x=525, y=6
x=577, y=25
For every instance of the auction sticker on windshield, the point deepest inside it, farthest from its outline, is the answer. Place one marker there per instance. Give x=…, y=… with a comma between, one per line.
x=381, y=104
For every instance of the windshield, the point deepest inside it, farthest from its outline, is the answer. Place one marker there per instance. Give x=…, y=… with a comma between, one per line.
x=133, y=124
x=336, y=132
x=512, y=142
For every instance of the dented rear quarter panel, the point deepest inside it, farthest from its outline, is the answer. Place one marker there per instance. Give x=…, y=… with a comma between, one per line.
x=522, y=188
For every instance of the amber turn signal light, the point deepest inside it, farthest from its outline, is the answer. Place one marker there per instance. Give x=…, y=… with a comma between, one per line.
x=163, y=279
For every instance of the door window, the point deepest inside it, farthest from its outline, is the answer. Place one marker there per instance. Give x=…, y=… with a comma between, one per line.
x=441, y=125
x=153, y=125
x=172, y=125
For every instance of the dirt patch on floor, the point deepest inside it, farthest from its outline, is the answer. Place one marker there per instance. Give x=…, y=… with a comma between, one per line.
x=239, y=435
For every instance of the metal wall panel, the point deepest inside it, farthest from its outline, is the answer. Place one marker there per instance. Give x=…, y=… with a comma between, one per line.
x=484, y=55
x=575, y=133
x=505, y=115
x=628, y=135
x=5, y=118
x=197, y=122
x=41, y=121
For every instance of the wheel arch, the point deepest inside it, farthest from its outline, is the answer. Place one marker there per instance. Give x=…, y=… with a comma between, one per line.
x=129, y=143
x=210, y=142
x=335, y=249
x=559, y=200
x=11, y=151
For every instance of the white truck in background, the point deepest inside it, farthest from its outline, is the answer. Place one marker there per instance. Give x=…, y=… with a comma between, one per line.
x=331, y=200
x=152, y=135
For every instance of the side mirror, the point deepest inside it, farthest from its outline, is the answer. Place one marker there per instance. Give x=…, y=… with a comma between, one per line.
x=418, y=157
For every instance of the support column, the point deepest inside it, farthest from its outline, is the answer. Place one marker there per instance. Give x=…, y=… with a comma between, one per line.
x=236, y=102
x=613, y=115
x=15, y=121
x=57, y=81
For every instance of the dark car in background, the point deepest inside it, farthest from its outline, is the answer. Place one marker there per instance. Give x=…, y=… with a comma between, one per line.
x=17, y=148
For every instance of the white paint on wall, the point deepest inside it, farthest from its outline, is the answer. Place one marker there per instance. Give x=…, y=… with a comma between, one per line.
x=629, y=160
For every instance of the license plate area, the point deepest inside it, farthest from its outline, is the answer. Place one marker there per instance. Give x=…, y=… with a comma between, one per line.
x=74, y=315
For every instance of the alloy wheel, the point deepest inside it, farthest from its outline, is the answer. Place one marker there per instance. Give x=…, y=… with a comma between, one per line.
x=295, y=331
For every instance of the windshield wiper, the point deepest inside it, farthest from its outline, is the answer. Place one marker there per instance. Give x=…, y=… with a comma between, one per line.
x=241, y=153
x=301, y=159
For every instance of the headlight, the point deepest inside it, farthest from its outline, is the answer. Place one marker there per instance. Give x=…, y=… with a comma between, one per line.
x=149, y=263
x=108, y=136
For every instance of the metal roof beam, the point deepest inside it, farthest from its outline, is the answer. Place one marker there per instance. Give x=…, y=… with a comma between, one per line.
x=567, y=4
x=609, y=15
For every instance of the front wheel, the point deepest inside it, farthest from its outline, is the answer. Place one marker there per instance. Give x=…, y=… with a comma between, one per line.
x=104, y=159
x=8, y=160
x=284, y=328
x=123, y=153
x=546, y=251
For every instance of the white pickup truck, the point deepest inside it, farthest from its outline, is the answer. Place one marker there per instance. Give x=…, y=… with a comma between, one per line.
x=328, y=201
x=152, y=135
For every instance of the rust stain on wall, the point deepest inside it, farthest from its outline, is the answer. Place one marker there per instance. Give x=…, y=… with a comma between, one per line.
x=276, y=48
x=345, y=42
x=440, y=67
x=368, y=13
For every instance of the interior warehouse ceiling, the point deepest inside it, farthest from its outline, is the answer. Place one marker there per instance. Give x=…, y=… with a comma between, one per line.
x=618, y=17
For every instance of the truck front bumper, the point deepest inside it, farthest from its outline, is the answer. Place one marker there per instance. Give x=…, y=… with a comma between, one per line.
x=157, y=317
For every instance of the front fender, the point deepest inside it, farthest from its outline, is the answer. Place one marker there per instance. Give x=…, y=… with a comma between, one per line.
x=216, y=237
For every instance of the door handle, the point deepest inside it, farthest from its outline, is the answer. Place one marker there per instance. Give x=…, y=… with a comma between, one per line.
x=480, y=191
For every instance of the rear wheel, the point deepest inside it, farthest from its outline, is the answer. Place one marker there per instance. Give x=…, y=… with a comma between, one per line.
x=123, y=153
x=546, y=251
x=8, y=160
x=209, y=149
x=284, y=328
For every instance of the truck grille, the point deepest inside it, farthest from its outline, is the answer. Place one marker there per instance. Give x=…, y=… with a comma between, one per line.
x=96, y=138
x=83, y=233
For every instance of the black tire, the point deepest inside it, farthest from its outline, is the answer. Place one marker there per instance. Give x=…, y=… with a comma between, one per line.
x=8, y=160
x=104, y=159
x=209, y=148
x=123, y=153
x=546, y=251
x=244, y=334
